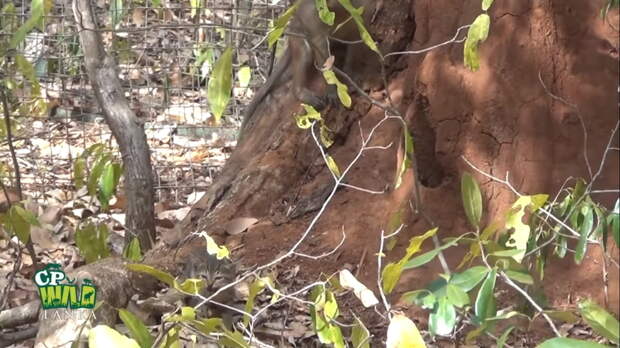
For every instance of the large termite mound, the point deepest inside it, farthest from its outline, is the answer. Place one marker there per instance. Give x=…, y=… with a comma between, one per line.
x=507, y=119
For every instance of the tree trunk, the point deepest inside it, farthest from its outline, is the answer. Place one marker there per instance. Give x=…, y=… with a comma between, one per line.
x=125, y=126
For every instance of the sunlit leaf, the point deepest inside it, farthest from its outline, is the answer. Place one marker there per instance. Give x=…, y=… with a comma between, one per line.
x=102, y=336
x=341, y=88
x=356, y=14
x=333, y=166
x=478, y=32
x=403, y=333
x=280, y=24
x=160, y=275
x=305, y=121
x=325, y=14
x=220, y=84
x=221, y=252
x=514, y=220
x=600, y=320
x=244, y=74
x=486, y=4
x=132, y=251
x=326, y=138
x=391, y=272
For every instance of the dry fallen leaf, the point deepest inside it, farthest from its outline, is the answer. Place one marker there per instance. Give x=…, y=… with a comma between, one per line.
x=348, y=281
x=238, y=225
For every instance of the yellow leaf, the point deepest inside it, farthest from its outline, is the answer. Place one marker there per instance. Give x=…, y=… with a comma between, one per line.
x=402, y=333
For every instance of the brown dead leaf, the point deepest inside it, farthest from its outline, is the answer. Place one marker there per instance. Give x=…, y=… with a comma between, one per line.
x=238, y=225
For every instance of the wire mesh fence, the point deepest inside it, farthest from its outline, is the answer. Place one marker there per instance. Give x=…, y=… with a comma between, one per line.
x=165, y=51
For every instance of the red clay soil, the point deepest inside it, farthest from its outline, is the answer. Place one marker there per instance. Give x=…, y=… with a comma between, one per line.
x=500, y=118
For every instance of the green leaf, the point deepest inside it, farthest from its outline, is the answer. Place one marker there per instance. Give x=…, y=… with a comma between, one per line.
x=79, y=172
x=220, y=252
x=325, y=14
x=485, y=306
x=520, y=276
x=137, y=328
x=116, y=12
x=472, y=199
x=356, y=14
x=565, y=316
x=562, y=342
x=326, y=308
x=96, y=172
x=257, y=286
x=102, y=336
x=514, y=220
x=443, y=319
x=360, y=336
x=562, y=247
x=92, y=240
x=501, y=341
x=305, y=121
x=341, y=88
x=27, y=70
x=325, y=136
x=195, y=5
x=244, y=74
x=456, y=296
x=106, y=185
x=600, y=320
x=407, y=157
x=469, y=278
x=478, y=32
x=26, y=215
x=191, y=286
x=584, y=232
x=428, y=256
x=486, y=4
x=38, y=9
x=390, y=276
x=132, y=250
x=232, y=339
x=280, y=24
x=505, y=253
x=391, y=273
x=332, y=165
x=17, y=225
x=220, y=84
x=162, y=276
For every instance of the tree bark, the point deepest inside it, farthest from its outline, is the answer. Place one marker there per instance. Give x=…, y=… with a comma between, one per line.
x=125, y=126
